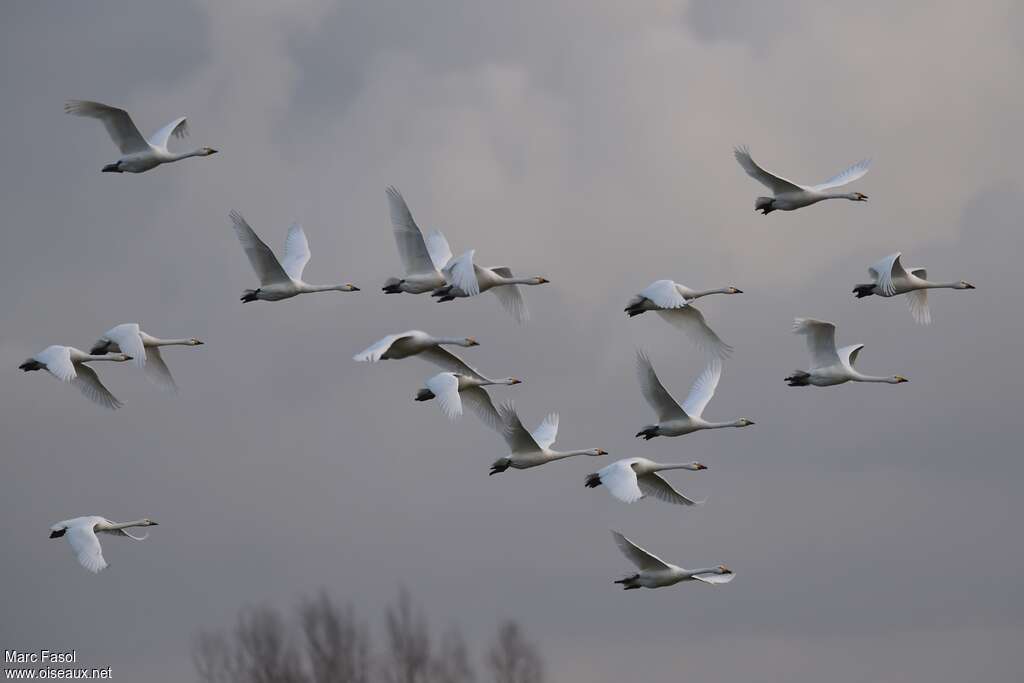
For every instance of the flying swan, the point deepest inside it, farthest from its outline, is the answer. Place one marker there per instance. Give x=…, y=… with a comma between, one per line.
x=465, y=279
x=67, y=364
x=144, y=350
x=656, y=573
x=453, y=389
x=828, y=365
x=789, y=195
x=531, y=449
x=631, y=479
x=279, y=280
x=423, y=257
x=673, y=419
x=892, y=279
x=137, y=153
x=417, y=343
x=81, y=533
x=674, y=303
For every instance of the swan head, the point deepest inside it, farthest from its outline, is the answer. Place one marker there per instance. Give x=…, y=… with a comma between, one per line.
x=348, y=287
x=722, y=569
x=120, y=357
x=195, y=342
x=733, y=290
x=859, y=197
x=470, y=341
x=899, y=379
x=512, y=381
x=540, y=280
x=597, y=451
x=744, y=422
x=698, y=466
x=965, y=285
x=147, y=522
x=206, y=151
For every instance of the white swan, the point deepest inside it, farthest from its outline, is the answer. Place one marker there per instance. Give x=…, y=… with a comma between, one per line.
x=67, y=364
x=423, y=257
x=655, y=572
x=417, y=343
x=466, y=279
x=531, y=449
x=830, y=366
x=892, y=279
x=144, y=350
x=790, y=195
x=673, y=419
x=81, y=533
x=279, y=280
x=674, y=303
x=631, y=479
x=452, y=389
x=138, y=153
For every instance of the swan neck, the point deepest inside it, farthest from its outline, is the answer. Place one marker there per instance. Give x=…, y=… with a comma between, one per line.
x=115, y=526
x=705, y=292
x=679, y=466
x=173, y=342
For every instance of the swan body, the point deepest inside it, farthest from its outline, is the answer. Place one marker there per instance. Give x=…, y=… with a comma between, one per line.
x=674, y=302
x=465, y=279
x=675, y=419
x=279, y=280
x=67, y=364
x=423, y=257
x=789, y=196
x=137, y=153
x=830, y=366
x=81, y=534
x=531, y=449
x=631, y=479
x=656, y=573
x=418, y=343
x=891, y=278
x=452, y=389
x=144, y=350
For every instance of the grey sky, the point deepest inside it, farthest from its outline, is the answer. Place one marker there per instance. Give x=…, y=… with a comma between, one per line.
x=875, y=530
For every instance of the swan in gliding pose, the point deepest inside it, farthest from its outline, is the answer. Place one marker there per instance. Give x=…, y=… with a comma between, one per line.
x=655, y=572
x=452, y=389
x=673, y=419
x=423, y=257
x=67, y=364
x=531, y=449
x=466, y=279
x=790, y=195
x=81, y=533
x=144, y=350
x=892, y=279
x=417, y=343
x=279, y=280
x=631, y=479
x=830, y=366
x=138, y=153
x=674, y=303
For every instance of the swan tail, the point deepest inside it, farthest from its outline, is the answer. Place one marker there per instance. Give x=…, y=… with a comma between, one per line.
x=799, y=378
x=863, y=290
x=765, y=205
x=392, y=286
x=593, y=481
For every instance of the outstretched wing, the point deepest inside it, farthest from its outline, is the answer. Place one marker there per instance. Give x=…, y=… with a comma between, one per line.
x=848, y=176
x=178, y=128
x=374, y=353
x=86, y=547
x=118, y=123
x=848, y=354
x=691, y=322
x=57, y=360
x=157, y=371
x=412, y=249
x=664, y=294
x=461, y=273
x=519, y=440
x=655, y=393
x=443, y=358
x=654, y=486
x=821, y=340
x=621, y=481
x=886, y=271
x=437, y=247
x=88, y=382
x=703, y=389
x=917, y=300
x=547, y=431
x=128, y=338
x=776, y=184
x=261, y=258
x=296, y=252
x=637, y=555
x=479, y=401
x=511, y=299
x=445, y=387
